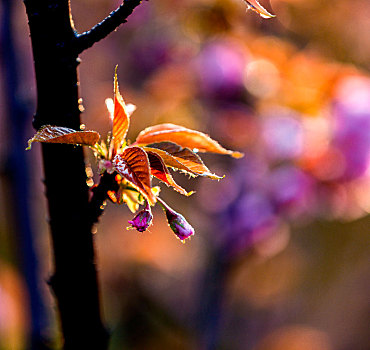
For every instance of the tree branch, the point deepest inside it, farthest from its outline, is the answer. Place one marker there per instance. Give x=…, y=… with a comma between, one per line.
x=96, y=204
x=105, y=27
x=74, y=280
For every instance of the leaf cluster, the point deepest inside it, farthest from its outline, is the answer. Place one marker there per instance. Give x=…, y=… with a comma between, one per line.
x=156, y=150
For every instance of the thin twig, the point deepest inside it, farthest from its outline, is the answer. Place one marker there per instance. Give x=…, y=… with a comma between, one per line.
x=105, y=27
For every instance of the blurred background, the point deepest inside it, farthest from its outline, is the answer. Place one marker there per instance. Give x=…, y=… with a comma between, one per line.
x=279, y=260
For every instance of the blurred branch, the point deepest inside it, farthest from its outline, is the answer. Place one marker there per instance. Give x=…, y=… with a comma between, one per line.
x=210, y=309
x=16, y=171
x=107, y=26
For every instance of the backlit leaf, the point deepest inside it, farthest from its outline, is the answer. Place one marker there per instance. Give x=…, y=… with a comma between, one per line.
x=133, y=165
x=59, y=134
x=121, y=117
x=256, y=7
x=181, y=158
x=192, y=139
x=131, y=198
x=160, y=171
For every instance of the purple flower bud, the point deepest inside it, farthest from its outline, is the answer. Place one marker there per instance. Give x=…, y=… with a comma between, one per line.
x=177, y=222
x=142, y=220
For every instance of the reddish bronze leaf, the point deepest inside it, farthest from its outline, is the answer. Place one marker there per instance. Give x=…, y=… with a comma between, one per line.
x=180, y=158
x=133, y=165
x=59, y=134
x=160, y=171
x=256, y=7
x=192, y=139
x=121, y=118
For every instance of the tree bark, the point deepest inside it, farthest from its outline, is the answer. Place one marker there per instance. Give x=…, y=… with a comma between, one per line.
x=56, y=46
x=74, y=281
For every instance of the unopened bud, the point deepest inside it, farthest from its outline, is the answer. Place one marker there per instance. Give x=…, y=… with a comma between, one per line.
x=177, y=222
x=142, y=220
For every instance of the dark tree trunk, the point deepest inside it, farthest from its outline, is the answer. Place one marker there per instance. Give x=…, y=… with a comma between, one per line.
x=74, y=280
x=56, y=46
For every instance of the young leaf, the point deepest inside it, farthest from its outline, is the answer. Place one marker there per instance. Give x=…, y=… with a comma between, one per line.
x=59, y=134
x=180, y=158
x=256, y=7
x=160, y=171
x=131, y=197
x=121, y=119
x=195, y=140
x=133, y=165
